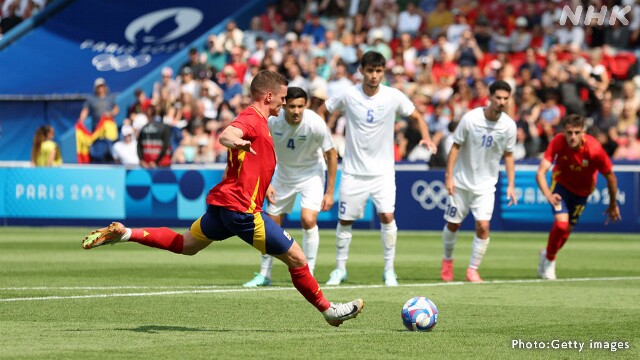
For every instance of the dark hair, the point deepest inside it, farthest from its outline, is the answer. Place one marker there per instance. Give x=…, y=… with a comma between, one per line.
x=372, y=58
x=573, y=120
x=499, y=85
x=266, y=81
x=295, y=92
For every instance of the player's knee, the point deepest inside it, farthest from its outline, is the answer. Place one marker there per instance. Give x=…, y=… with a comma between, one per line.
x=453, y=227
x=482, y=229
x=308, y=221
x=386, y=217
x=562, y=226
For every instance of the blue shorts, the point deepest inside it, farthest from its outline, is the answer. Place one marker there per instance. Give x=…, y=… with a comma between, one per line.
x=571, y=203
x=256, y=230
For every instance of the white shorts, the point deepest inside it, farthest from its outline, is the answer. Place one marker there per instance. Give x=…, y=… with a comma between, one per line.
x=355, y=191
x=481, y=206
x=311, y=194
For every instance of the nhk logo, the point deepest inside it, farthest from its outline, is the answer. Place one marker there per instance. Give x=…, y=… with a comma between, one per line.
x=616, y=13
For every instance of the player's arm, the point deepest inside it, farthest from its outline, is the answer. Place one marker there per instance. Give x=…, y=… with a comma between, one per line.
x=541, y=179
x=451, y=161
x=424, y=131
x=332, y=117
x=331, y=157
x=510, y=166
x=613, y=211
x=231, y=138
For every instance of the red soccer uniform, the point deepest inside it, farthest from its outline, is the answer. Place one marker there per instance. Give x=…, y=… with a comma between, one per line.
x=577, y=170
x=247, y=176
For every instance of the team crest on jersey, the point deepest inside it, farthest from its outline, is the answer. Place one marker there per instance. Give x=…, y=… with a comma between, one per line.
x=302, y=137
x=585, y=162
x=286, y=234
x=277, y=133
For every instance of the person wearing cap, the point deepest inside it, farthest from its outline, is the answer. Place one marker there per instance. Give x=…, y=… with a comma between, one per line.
x=125, y=151
x=167, y=84
x=520, y=38
x=314, y=28
x=100, y=104
x=230, y=86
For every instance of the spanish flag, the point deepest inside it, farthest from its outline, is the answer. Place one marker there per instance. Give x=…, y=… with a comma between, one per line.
x=106, y=129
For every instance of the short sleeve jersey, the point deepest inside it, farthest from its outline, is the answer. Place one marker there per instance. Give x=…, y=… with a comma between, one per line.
x=247, y=176
x=577, y=170
x=482, y=144
x=370, y=127
x=300, y=148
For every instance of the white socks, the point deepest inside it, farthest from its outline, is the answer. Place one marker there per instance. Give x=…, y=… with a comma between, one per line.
x=127, y=235
x=266, y=265
x=448, y=242
x=343, y=240
x=389, y=235
x=310, y=242
x=477, y=252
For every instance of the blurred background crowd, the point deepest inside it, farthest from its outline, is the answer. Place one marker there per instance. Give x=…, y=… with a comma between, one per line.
x=442, y=54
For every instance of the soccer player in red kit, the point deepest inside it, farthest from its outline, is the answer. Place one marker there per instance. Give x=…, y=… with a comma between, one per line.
x=235, y=204
x=578, y=159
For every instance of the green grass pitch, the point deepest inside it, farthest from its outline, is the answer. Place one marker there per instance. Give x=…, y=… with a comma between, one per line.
x=58, y=301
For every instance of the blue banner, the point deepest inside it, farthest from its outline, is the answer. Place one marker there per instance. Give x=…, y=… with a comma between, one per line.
x=118, y=40
x=64, y=193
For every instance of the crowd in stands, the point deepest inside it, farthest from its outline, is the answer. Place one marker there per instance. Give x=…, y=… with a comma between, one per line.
x=13, y=12
x=442, y=54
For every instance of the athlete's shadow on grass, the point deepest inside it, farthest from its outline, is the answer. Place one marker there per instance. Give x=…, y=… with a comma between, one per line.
x=154, y=329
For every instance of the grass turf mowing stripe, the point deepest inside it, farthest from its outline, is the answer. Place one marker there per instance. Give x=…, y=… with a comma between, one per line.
x=235, y=289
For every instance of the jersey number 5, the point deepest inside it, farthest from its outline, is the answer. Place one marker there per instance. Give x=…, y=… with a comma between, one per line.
x=369, y=116
x=291, y=145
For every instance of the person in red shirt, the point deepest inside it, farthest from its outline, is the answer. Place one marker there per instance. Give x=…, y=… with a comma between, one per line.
x=235, y=204
x=578, y=159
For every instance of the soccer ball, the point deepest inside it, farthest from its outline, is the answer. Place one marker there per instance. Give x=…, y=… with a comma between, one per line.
x=419, y=314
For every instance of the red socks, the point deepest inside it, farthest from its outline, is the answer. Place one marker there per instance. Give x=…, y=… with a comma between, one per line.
x=308, y=287
x=557, y=237
x=161, y=238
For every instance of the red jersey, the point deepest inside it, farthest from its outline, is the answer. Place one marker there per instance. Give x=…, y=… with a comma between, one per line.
x=247, y=176
x=577, y=170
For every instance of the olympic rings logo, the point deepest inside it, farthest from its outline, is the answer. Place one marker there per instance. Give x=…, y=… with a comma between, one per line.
x=430, y=195
x=108, y=62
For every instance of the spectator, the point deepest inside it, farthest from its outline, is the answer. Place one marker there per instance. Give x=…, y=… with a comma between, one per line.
x=628, y=145
x=315, y=29
x=409, y=20
x=140, y=105
x=238, y=63
x=520, y=38
x=439, y=19
x=154, y=145
x=188, y=84
x=232, y=90
x=125, y=151
x=10, y=20
x=197, y=67
x=45, y=152
x=380, y=30
x=216, y=56
x=100, y=104
x=340, y=82
x=165, y=90
x=378, y=44
x=270, y=19
x=459, y=26
x=231, y=37
x=531, y=64
x=255, y=31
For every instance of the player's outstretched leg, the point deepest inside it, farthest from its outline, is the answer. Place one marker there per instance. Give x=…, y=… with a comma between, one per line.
x=161, y=238
x=111, y=234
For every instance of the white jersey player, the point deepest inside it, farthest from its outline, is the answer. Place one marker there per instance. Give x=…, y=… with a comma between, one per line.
x=368, y=164
x=302, y=142
x=482, y=138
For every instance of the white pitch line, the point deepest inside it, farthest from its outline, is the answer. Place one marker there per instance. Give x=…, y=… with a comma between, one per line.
x=211, y=290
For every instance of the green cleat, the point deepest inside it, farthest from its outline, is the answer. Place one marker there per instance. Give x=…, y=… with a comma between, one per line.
x=108, y=235
x=259, y=280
